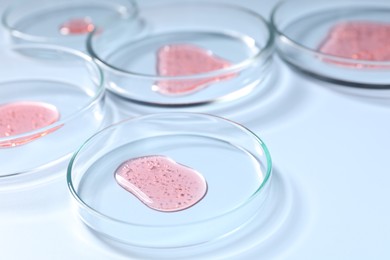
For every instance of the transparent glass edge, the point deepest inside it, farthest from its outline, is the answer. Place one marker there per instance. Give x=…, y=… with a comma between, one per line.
x=82, y=204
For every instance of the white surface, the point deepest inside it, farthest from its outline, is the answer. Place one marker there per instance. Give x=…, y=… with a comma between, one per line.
x=329, y=144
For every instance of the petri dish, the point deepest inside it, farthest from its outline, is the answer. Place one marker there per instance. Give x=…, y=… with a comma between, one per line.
x=234, y=162
x=46, y=111
x=63, y=22
x=340, y=41
x=184, y=53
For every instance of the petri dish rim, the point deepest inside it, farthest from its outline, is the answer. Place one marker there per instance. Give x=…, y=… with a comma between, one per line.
x=295, y=43
x=42, y=39
x=75, y=53
x=90, y=209
x=265, y=52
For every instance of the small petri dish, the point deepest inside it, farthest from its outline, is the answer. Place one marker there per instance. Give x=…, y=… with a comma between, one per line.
x=342, y=41
x=184, y=53
x=233, y=161
x=48, y=107
x=63, y=22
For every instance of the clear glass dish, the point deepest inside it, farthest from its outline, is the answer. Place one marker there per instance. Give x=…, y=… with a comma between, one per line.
x=303, y=26
x=63, y=79
x=131, y=61
x=43, y=21
x=234, y=162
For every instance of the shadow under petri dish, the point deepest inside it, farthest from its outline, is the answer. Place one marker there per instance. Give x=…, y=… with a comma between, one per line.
x=279, y=224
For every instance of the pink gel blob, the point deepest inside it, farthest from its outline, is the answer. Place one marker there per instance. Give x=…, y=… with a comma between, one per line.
x=77, y=26
x=359, y=40
x=161, y=183
x=185, y=59
x=22, y=117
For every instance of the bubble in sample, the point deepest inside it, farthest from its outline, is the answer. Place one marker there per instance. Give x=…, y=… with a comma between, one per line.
x=161, y=183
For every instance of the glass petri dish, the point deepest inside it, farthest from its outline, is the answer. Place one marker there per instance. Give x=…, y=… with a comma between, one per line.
x=63, y=22
x=234, y=162
x=221, y=58
x=303, y=28
x=63, y=82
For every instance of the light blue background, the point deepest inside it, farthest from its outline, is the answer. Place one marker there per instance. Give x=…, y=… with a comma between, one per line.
x=330, y=145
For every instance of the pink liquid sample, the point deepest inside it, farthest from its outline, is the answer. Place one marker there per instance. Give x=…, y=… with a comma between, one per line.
x=77, y=26
x=22, y=117
x=161, y=183
x=185, y=59
x=359, y=40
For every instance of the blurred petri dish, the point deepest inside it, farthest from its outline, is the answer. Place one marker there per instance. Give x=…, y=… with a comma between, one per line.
x=342, y=41
x=184, y=53
x=63, y=22
x=234, y=162
x=46, y=111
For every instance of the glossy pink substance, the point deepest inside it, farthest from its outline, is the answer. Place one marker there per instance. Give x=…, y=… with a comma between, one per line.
x=22, y=117
x=161, y=183
x=185, y=59
x=359, y=40
x=77, y=26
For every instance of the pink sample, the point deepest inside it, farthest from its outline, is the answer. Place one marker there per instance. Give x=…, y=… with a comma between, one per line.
x=184, y=60
x=77, y=26
x=22, y=117
x=359, y=40
x=161, y=183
